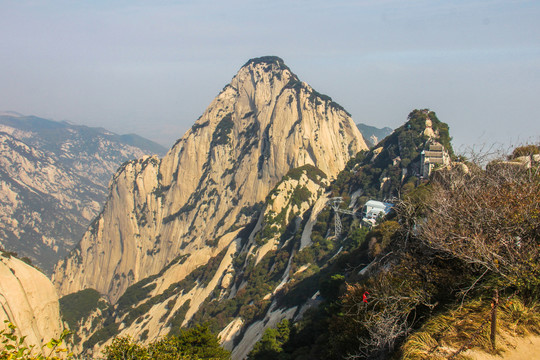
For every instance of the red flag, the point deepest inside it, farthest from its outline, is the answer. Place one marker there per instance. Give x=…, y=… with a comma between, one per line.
x=364, y=297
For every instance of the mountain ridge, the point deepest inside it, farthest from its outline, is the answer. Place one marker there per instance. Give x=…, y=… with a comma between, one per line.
x=227, y=161
x=372, y=134
x=271, y=269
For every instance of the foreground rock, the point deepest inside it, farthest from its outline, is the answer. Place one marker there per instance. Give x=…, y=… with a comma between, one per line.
x=28, y=300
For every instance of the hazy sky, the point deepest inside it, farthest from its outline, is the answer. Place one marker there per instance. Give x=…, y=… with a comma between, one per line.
x=152, y=67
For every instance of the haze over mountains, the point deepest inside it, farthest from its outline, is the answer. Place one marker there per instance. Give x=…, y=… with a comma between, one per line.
x=251, y=223
x=54, y=179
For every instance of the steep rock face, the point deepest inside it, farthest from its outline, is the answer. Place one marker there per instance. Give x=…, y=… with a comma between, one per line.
x=53, y=178
x=28, y=300
x=265, y=122
x=234, y=289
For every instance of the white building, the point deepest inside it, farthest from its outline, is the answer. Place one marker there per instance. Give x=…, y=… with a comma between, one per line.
x=374, y=209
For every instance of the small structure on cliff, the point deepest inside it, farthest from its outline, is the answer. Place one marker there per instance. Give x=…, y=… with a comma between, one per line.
x=435, y=156
x=374, y=209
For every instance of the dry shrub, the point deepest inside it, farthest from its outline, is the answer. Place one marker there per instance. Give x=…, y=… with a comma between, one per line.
x=520, y=319
x=443, y=334
x=489, y=219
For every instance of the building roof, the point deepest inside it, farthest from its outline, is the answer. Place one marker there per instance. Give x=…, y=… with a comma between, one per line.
x=379, y=205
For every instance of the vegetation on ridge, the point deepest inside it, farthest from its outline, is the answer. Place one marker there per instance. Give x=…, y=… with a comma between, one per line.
x=430, y=282
x=268, y=60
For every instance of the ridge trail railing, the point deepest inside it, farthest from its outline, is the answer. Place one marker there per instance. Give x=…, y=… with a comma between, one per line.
x=492, y=318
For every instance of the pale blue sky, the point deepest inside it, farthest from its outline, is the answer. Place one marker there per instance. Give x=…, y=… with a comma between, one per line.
x=152, y=67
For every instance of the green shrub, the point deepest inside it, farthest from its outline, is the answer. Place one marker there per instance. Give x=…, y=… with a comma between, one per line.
x=197, y=343
x=74, y=307
x=269, y=347
x=221, y=134
x=14, y=347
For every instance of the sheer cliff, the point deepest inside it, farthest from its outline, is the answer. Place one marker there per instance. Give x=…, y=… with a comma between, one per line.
x=211, y=183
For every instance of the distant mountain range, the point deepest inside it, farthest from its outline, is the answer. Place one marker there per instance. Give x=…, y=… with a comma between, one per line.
x=77, y=146
x=372, y=134
x=54, y=177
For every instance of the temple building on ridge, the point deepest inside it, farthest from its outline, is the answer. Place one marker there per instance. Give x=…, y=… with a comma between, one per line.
x=435, y=156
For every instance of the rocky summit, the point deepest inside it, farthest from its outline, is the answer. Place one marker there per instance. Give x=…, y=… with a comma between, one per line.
x=191, y=202
x=203, y=222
